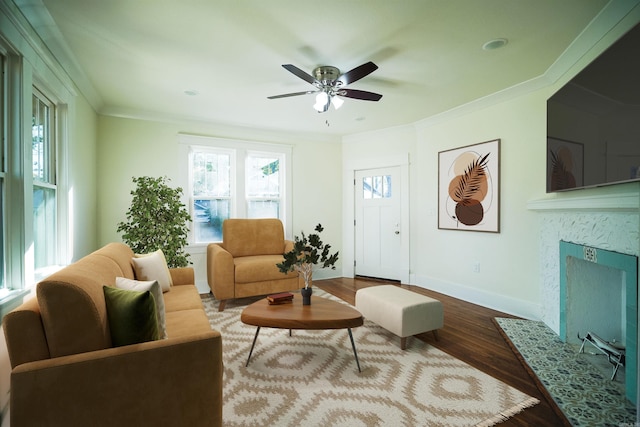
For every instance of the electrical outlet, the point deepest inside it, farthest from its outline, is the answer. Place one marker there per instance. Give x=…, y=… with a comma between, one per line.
x=476, y=267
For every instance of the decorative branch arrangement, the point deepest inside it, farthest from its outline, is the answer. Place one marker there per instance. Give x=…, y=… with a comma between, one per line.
x=307, y=252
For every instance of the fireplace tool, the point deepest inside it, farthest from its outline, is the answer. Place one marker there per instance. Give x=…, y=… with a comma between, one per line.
x=615, y=355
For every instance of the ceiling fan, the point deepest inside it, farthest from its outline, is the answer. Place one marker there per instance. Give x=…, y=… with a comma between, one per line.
x=330, y=84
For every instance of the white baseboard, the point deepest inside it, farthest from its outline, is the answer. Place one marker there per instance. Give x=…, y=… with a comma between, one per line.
x=490, y=300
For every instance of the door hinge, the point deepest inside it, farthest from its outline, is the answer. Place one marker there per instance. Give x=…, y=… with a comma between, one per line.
x=354, y=262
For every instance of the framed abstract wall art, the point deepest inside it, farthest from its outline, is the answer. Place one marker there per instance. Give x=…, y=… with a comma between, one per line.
x=469, y=188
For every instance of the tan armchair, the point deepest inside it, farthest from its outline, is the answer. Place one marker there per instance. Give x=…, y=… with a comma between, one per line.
x=244, y=264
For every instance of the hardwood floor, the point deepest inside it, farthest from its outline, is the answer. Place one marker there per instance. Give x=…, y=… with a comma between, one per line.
x=469, y=334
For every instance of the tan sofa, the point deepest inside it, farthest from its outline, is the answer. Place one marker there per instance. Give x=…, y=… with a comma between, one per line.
x=66, y=372
x=244, y=264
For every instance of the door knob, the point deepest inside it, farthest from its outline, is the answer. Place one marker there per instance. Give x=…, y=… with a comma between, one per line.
x=397, y=232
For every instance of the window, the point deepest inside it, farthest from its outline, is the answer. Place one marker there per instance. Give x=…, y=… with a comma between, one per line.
x=44, y=181
x=3, y=138
x=33, y=202
x=376, y=187
x=235, y=179
x=263, y=185
x=211, y=192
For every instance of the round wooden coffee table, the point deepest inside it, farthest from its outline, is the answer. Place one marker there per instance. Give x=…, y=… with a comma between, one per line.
x=323, y=313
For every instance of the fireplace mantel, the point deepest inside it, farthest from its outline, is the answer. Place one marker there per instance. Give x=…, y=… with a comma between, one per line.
x=604, y=202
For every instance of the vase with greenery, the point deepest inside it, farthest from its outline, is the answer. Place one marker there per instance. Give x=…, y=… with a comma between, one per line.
x=308, y=251
x=157, y=219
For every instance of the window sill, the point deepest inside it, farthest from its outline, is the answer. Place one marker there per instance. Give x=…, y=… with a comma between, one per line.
x=10, y=300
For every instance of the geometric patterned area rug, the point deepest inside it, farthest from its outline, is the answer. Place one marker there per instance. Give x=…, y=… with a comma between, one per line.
x=311, y=378
x=579, y=383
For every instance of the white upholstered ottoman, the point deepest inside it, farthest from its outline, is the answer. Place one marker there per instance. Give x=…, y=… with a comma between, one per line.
x=400, y=311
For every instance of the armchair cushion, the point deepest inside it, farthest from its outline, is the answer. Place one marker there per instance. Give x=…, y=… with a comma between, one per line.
x=259, y=268
x=245, y=237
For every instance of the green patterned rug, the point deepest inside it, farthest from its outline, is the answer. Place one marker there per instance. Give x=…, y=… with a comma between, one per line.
x=311, y=379
x=581, y=389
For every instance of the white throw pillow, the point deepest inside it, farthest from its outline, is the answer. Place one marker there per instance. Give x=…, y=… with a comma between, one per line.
x=153, y=266
x=153, y=287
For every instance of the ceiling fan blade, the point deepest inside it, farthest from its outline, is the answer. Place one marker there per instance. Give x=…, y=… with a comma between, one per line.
x=360, y=94
x=298, y=72
x=357, y=73
x=286, y=95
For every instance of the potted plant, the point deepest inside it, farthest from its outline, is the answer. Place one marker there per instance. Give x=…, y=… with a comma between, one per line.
x=157, y=219
x=308, y=251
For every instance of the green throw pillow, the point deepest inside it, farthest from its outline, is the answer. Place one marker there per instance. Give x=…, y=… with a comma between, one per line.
x=132, y=316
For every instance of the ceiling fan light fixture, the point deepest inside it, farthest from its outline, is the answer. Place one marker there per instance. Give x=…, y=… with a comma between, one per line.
x=337, y=102
x=322, y=99
x=330, y=84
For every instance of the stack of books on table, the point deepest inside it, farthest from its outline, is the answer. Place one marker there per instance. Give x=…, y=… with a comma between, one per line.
x=282, y=298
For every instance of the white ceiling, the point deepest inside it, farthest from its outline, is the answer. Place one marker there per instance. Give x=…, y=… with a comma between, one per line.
x=138, y=57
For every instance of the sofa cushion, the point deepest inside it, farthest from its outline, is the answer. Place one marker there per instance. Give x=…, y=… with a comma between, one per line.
x=187, y=322
x=153, y=287
x=153, y=266
x=132, y=316
x=245, y=237
x=182, y=298
x=259, y=268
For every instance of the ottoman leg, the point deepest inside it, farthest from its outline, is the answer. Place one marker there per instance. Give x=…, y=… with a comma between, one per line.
x=403, y=343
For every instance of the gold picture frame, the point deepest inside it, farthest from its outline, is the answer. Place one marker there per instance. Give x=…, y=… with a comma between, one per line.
x=469, y=188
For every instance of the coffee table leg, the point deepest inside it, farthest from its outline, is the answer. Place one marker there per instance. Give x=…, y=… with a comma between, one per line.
x=253, y=345
x=353, y=344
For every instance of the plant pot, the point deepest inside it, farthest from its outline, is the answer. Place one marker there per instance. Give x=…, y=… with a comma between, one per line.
x=306, y=295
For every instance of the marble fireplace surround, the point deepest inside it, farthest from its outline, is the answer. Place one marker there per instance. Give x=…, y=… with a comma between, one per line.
x=609, y=222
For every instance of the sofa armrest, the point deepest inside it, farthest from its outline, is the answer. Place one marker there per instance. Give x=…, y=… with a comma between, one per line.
x=177, y=381
x=288, y=246
x=220, y=272
x=183, y=276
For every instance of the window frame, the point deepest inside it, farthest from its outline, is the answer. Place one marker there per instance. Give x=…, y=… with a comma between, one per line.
x=44, y=180
x=27, y=64
x=188, y=143
x=4, y=74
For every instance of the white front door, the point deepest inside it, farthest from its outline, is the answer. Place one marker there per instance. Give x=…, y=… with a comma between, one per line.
x=378, y=227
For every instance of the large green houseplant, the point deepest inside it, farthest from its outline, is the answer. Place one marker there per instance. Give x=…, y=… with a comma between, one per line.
x=157, y=219
x=308, y=251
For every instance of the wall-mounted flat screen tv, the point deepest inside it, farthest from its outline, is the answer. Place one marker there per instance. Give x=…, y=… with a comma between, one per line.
x=593, y=122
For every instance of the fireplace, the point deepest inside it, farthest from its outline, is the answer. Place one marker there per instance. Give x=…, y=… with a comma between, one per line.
x=599, y=294
x=608, y=221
